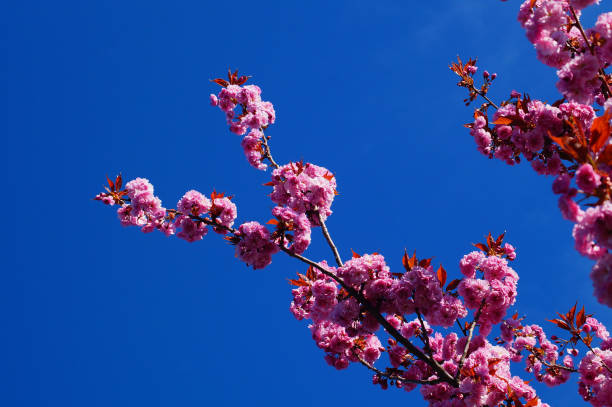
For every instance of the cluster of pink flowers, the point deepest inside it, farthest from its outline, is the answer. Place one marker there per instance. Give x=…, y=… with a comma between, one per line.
x=522, y=128
x=346, y=330
x=145, y=209
x=292, y=221
x=142, y=208
x=495, y=293
x=305, y=188
x=546, y=24
x=595, y=382
x=255, y=247
x=256, y=115
x=563, y=139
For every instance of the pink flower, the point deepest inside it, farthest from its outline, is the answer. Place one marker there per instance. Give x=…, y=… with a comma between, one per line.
x=305, y=188
x=587, y=179
x=193, y=203
x=255, y=247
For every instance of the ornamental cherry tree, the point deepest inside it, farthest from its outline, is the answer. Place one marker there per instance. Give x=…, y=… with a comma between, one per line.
x=418, y=327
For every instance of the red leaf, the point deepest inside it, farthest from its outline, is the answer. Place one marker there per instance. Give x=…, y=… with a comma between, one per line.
x=532, y=403
x=406, y=260
x=503, y=120
x=500, y=239
x=269, y=184
x=355, y=255
x=600, y=131
x=563, y=142
x=221, y=82
x=272, y=222
x=441, y=273
x=580, y=318
x=481, y=247
x=425, y=263
x=571, y=313
x=298, y=283
x=453, y=284
x=489, y=240
x=110, y=184
x=559, y=323
x=118, y=182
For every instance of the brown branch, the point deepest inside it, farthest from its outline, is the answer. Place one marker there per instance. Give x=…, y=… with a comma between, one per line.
x=484, y=96
x=466, y=348
x=551, y=365
x=267, y=152
x=425, y=335
x=392, y=376
x=602, y=74
x=330, y=242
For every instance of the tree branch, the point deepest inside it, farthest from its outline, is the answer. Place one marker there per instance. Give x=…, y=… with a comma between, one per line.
x=466, y=348
x=330, y=242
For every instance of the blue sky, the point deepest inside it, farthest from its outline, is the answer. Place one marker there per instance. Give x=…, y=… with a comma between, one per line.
x=99, y=315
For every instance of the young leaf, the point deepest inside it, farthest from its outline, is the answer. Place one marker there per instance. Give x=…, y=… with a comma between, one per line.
x=453, y=284
x=600, y=131
x=441, y=273
x=580, y=318
x=503, y=120
x=355, y=255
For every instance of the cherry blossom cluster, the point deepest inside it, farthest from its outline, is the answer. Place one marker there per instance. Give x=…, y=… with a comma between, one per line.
x=495, y=293
x=564, y=139
x=139, y=207
x=346, y=329
x=305, y=188
x=255, y=115
x=552, y=360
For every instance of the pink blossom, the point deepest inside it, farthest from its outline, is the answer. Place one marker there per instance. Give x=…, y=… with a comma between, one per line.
x=223, y=211
x=255, y=247
x=587, y=179
x=601, y=275
x=305, y=188
x=193, y=203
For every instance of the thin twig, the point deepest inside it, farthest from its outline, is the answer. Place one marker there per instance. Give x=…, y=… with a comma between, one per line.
x=330, y=242
x=551, y=365
x=425, y=335
x=466, y=348
x=484, y=96
x=267, y=152
x=460, y=327
x=395, y=377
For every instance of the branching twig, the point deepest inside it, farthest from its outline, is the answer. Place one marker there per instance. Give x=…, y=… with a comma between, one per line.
x=395, y=377
x=267, y=152
x=552, y=365
x=425, y=335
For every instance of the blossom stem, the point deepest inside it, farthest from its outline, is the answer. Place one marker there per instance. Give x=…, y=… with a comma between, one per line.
x=267, y=152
